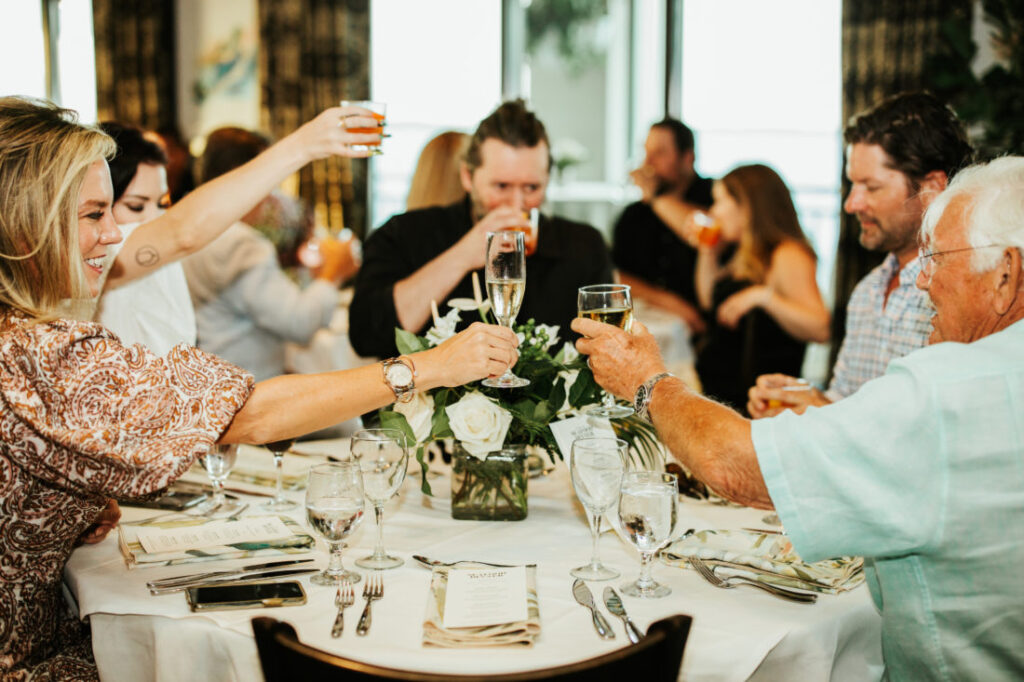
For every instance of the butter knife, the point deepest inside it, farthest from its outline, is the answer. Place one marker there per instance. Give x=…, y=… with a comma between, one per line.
x=614, y=604
x=584, y=596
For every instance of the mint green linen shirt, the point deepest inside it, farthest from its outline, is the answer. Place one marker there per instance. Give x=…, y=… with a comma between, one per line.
x=921, y=471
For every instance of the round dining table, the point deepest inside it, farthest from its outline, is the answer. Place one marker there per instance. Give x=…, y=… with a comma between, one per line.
x=737, y=634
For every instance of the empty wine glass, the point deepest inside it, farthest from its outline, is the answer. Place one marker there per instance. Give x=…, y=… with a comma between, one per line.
x=596, y=465
x=218, y=462
x=383, y=457
x=505, y=274
x=334, y=508
x=611, y=304
x=279, y=502
x=647, y=512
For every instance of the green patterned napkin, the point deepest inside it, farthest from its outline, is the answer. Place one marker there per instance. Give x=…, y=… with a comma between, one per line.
x=522, y=633
x=300, y=542
x=766, y=558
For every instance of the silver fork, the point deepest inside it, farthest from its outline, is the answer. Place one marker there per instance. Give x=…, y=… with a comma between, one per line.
x=345, y=598
x=737, y=580
x=374, y=589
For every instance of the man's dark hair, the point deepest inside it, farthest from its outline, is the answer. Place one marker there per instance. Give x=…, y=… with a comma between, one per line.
x=227, y=149
x=511, y=123
x=133, y=148
x=681, y=133
x=917, y=132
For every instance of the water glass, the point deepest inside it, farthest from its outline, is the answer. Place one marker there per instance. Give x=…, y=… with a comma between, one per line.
x=647, y=513
x=611, y=304
x=383, y=457
x=596, y=465
x=218, y=462
x=334, y=509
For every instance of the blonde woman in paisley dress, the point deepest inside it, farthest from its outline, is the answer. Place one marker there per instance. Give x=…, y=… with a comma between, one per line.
x=85, y=419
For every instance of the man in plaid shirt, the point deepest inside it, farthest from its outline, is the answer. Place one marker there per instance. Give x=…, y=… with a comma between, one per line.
x=900, y=154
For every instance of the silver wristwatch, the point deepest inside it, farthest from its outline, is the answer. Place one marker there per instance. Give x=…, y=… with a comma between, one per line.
x=642, y=399
x=400, y=378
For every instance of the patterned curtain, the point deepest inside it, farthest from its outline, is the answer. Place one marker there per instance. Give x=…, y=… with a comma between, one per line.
x=135, y=80
x=314, y=53
x=885, y=47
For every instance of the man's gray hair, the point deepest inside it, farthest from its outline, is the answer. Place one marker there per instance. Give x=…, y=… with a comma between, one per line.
x=995, y=208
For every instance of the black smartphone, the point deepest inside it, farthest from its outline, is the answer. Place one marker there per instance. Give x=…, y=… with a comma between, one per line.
x=174, y=500
x=245, y=595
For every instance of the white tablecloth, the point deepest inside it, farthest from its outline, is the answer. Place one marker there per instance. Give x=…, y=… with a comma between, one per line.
x=737, y=634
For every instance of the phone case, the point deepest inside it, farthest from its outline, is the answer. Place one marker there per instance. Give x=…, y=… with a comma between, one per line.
x=255, y=603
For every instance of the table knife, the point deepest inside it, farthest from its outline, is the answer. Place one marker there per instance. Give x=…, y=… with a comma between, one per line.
x=614, y=604
x=586, y=598
x=192, y=577
x=227, y=579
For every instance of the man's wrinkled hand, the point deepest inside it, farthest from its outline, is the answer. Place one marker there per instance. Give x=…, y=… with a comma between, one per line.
x=620, y=361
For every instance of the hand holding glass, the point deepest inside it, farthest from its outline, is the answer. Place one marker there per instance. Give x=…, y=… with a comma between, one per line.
x=334, y=508
x=505, y=274
x=382, y=457
x=596, y=466
x=611, y=304
x=378, y=111
x=647, y=512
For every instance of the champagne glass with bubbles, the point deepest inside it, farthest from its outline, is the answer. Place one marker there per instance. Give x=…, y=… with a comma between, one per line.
x=279, y=502
x=218, y=462
x=334, y=509
x=596, y=466
x=647, y=513
x=611, y=304
x=505, y=275
x=383, y=457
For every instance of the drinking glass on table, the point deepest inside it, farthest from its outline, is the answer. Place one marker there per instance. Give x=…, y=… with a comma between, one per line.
x=647, y=513
x=383, y=457
x=596, y=465
x=611, y=304
x=218, y=462
x=280, y=502
x=505, y=274
x=334, y=508
x=378, y=111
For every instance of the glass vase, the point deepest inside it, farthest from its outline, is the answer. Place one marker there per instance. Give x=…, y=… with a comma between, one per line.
x=491, y=489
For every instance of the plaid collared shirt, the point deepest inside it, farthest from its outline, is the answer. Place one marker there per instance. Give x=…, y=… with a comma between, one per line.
x=877, y=330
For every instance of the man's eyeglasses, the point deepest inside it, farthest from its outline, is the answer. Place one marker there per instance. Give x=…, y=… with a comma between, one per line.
x=928, y=257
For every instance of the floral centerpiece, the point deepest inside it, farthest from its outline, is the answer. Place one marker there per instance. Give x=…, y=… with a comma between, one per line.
x=494, y=428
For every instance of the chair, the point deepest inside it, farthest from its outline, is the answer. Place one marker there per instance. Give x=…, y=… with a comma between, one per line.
x=656, y=658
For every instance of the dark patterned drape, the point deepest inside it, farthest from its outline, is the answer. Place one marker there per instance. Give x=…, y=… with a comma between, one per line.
x=885, y=46
x=314, y=53
x=135, y=62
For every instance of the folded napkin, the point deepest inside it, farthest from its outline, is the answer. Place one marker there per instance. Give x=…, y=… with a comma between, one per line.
x=135, y=556
x=522, y=633
x=766, y=558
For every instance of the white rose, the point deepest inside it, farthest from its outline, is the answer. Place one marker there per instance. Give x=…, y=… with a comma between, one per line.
x=568, y=353
x=570, y=379
x=418, y=412
x=444, y=329
x=479, y=424
x=552, y=332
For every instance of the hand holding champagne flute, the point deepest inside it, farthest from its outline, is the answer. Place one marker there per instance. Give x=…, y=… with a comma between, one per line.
x=611, y=304
x=505, y=276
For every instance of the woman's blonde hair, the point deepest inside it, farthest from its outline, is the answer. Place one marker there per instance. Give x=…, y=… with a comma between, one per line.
x=772, y=219
x=44, y=155
x=436, y=181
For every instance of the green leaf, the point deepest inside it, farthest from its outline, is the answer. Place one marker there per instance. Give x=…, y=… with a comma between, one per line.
x=389, y=419
x=424, y=466
x=407, y=342
x=439, y=427
x=583, y=389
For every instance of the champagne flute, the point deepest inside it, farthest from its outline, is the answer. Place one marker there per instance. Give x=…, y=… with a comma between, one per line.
x=647, y=512
x=596, y=466
x=611, y=304
x=505, y=275
x=279, y=502
x=383, y=457
x=334, y=508
x=218, y=462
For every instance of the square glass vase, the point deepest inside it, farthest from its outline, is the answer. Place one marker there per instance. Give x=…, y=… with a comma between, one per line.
x=490, y=489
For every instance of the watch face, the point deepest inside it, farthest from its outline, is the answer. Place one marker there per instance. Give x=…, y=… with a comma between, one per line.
x=399, y=374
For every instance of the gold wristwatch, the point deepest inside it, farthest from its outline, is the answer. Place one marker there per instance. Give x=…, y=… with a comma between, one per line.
x=400, y=377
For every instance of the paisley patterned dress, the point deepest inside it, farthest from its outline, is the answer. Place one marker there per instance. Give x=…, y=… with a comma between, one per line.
x=84, y=418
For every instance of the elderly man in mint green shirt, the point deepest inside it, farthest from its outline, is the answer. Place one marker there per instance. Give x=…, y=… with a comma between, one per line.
x=921, y=471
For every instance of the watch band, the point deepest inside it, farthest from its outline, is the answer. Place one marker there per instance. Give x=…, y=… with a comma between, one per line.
x=403, y=392
x=642, y=399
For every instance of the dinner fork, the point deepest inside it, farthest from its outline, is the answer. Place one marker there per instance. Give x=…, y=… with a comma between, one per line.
x=373, y=589
x=736, y=580
x=345, y=598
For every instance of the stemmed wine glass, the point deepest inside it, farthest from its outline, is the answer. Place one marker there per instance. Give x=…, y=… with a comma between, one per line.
x=280, y=502
x=505, y=274
x=334, y=508
x=596, y=465
x=218, y=462
x=383, y=457
x=611, y=304
x=647, y=512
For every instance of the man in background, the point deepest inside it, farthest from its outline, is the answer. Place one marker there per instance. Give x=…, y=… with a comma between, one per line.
x=900, y=155
x=430, y=254
x=652, y=255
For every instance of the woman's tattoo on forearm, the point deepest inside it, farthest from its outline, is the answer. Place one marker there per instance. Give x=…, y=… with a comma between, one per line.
x=147, y=256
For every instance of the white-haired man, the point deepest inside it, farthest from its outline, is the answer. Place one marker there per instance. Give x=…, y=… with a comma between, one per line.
x=919, y=470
